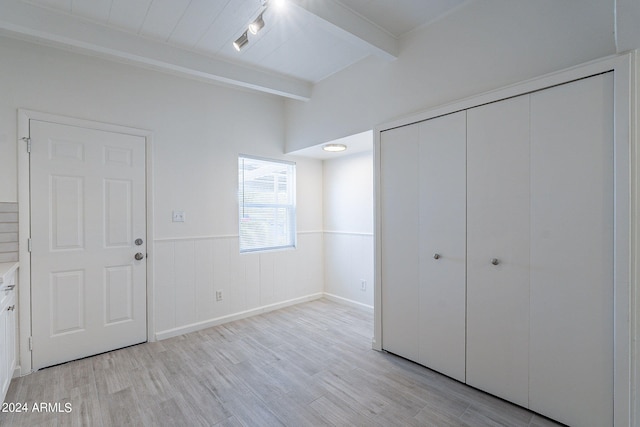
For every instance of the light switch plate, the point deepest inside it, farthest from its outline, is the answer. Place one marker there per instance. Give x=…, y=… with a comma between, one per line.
x=178, y=216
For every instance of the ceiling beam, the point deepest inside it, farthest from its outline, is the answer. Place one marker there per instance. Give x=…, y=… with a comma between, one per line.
x=352, y=27
x=25, y=21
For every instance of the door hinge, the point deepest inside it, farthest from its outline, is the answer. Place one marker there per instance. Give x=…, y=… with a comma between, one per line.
x=29, y=244
x=30, y=343
x=28, y=140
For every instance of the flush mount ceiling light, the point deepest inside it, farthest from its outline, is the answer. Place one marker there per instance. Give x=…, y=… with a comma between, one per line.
x=334, y=148
x=256, y=25
x=241, y=41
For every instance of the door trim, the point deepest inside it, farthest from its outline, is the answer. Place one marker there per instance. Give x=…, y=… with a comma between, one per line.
x=24, y=218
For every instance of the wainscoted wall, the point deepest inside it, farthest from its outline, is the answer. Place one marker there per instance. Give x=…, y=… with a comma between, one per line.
x=198, y=132
x=348, y=222
x=189, y=271
x=8, y=232
x=348, y=260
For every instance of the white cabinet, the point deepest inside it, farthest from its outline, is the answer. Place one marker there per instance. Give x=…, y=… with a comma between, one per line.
x=523, y=227
x=423, y=232
x=8, y=346
x=7, y=326
x=498, y=231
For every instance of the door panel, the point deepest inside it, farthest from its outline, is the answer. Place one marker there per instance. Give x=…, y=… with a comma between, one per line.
x=498, y=228
x=400, y=247
x=67, y=212
x=118, y=226
x=443, y=232
x=118, y=283
x=87, y=208
x=67, y=293
x=571, y=362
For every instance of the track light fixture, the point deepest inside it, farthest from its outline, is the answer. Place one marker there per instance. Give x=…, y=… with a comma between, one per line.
x=256, y=25
x=241, y=41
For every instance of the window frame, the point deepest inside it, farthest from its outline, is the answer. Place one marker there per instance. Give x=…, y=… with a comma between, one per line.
x=290, y=207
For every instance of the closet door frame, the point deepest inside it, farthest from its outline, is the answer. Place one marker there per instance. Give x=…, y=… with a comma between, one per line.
x=626, y=212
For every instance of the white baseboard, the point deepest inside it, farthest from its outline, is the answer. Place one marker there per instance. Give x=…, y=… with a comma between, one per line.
x=170, y=333
x=346, y=301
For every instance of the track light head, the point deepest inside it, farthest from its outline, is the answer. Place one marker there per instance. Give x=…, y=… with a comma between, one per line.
x=241, y=41
x=256, y=25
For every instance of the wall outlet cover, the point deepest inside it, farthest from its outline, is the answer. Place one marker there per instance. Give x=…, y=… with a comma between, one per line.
x=178, y=216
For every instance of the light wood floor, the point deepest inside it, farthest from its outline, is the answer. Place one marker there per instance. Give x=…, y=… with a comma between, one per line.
x=307, y=365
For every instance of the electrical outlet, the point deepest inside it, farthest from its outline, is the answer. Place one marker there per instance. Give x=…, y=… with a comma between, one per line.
x=363, y=285
x=178, y=216
x=219, y=295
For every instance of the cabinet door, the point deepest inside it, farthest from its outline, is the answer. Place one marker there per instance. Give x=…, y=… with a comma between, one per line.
x=498, y=228
x=571, y=359
x=11, y=338
x=399, y=236
x=5, y=376
x=442, y=235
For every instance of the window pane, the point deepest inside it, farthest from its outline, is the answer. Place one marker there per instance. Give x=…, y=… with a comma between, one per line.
x=267, y=204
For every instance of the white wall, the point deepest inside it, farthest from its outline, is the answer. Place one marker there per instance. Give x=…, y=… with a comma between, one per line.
x=348, y=193
x=627, y=28
x=199, y=130
x=485, y=45
x=348, y=223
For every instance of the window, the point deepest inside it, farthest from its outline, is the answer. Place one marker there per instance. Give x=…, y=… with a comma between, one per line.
x=267, y=199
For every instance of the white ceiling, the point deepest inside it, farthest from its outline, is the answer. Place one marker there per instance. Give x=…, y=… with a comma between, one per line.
x=302, y=42
x=398, y=17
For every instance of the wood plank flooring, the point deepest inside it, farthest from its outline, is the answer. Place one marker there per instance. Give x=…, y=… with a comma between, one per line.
x=306, y=365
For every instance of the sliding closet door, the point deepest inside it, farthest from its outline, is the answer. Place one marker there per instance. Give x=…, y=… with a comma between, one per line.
x=571, y=362
x=498, y=248
x=399, y=189
x=443, y=244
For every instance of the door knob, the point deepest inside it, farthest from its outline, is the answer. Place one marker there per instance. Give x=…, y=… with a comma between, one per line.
x=139, y=256
x=436, y=256
x=495, y=261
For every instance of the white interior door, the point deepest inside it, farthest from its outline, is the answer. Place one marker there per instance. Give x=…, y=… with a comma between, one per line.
x=571, y=358
x=399, y=179
x=443, y=244
x=88, y=290
x=498, y=229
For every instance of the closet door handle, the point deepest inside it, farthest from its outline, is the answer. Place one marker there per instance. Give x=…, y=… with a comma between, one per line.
x=436, y=256
x=495, y=261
